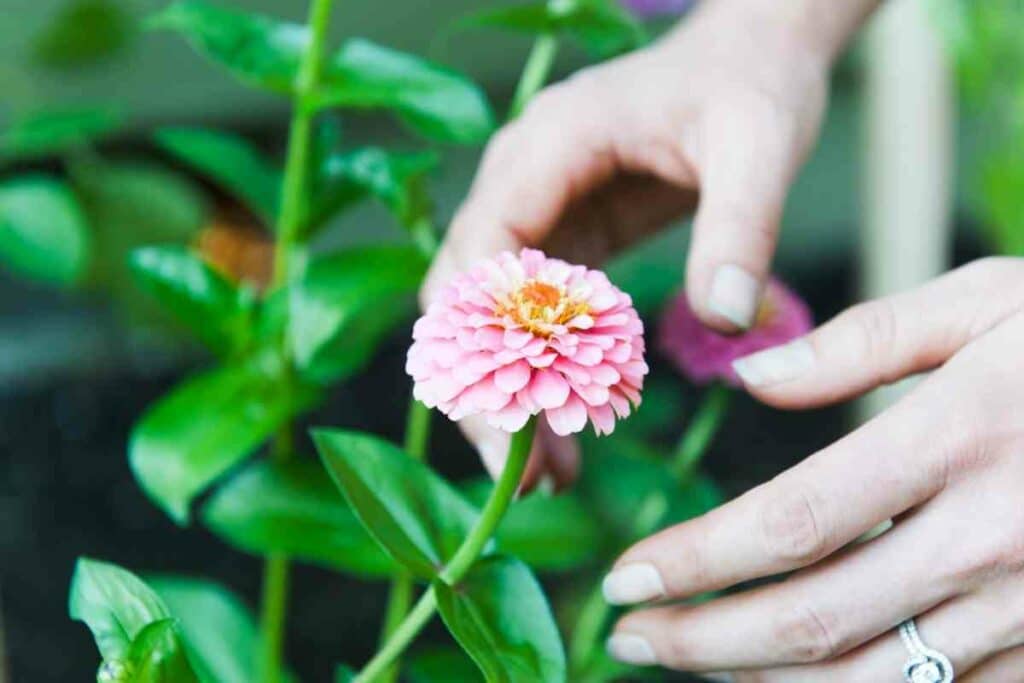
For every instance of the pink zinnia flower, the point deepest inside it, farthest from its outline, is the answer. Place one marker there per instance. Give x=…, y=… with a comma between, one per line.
x=523, y=335
x=704, y=355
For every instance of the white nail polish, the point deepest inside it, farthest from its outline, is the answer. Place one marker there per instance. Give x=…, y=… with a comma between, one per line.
x=779, y=364
x=734, y=295
x=632, y=583
x=631, y=649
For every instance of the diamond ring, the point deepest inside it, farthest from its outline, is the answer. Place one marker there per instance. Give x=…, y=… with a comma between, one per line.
x=925, y=664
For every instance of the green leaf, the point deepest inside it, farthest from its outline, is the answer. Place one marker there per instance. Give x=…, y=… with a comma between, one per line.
x=293, y=508
x=53, y=131
x=258, y=50
x=500, y=617
x=133, y=204
x=114, y=603
x=416, y=516
x=265, y=53
x=231, y=162
x=43, y=233
x=393, y=178
x=200, y=298
x=207, y=425
x=436, y=102
x=547, y=532
x=344, y=674
x=157, y=655
x=221, y=637
x=83, y=32
x=603, y=27
x=346, y=302
x=442, y=665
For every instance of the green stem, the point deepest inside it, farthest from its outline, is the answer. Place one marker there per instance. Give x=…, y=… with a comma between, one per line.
x=274, y=602
x=594, y=615
x=535, y=73
x=417, y=433
x=495, y=508
x=293, y=190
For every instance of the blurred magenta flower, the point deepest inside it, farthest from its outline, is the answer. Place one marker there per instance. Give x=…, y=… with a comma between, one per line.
x=647, y=9
x=704, y=355
x=521, y=335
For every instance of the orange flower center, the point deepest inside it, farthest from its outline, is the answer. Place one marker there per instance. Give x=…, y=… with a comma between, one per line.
x=537, y=306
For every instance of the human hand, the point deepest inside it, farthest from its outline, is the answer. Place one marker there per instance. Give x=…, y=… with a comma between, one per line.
x=946, y=462
x=728, y=106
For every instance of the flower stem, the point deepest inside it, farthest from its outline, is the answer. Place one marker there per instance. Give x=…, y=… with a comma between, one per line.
x=594, y=614
x=535, y=73
x=417, y=433
x=274, y=601
x=471, y=548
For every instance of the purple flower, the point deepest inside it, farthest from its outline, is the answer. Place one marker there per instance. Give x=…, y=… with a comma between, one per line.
x=703, y=355
x=647, y=9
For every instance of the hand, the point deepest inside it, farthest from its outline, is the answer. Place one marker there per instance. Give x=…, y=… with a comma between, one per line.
x=728, y=106
x=946, y=463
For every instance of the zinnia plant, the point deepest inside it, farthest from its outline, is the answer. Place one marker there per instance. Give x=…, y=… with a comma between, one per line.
x=519, y=339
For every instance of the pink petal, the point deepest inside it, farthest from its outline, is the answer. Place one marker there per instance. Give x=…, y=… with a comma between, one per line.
x=514, y=377
x=548, y=389
x=603, y=419
x=517, y=339
x=511, y=418
x=569, y=418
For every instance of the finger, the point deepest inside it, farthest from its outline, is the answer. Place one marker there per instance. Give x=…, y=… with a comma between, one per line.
x=979, y=633
x=552, y=457
x=885, y=340
x=557, y=150
x=746, y=152
x=892, y=463
x=816, y=615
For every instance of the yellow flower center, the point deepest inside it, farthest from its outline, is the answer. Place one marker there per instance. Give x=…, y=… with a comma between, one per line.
x=537, y=306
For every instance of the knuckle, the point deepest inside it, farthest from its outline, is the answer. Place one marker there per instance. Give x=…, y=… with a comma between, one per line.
x=876, y=324
x=791, y=529
x=803, y=636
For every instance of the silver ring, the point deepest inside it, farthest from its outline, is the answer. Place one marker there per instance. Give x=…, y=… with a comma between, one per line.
x=925, y=664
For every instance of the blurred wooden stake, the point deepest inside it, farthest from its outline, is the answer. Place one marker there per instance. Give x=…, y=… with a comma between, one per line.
x=908, y=114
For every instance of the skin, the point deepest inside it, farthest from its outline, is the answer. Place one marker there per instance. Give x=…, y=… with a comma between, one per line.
x=945, y=463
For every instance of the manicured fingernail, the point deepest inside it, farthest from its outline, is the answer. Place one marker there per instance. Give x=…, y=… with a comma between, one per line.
x=631, y=649
x=779, y=364
x=633, y=583
x=734, y=294
x=493, y=449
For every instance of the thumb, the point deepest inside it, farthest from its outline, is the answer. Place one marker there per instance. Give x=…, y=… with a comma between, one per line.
x=746, y=155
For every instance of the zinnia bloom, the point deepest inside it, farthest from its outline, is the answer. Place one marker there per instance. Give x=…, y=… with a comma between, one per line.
x=704, y=355
x=522, y=335
x=647, y=9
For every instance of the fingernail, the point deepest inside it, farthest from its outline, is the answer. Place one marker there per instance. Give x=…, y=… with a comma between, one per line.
x=493, y=449
x=779, y=364
x=631, y=649
x=734, y=294
x=633, y=583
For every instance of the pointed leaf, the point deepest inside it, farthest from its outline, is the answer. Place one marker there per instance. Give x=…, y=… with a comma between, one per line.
x=200, y=298
x=157, y=655
x=43, y=233
x=293, y=508
x=603, y=27
x=393, y=178
x=554, y=533
x=416, y=516
x=220, y=633
x=207, y=425
x=231, y=162
x=53, y=131
x=346, y=302
x=436, y=102
x=266, y=53
x=500, y=617
x=115, y=604
x=442, y=665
